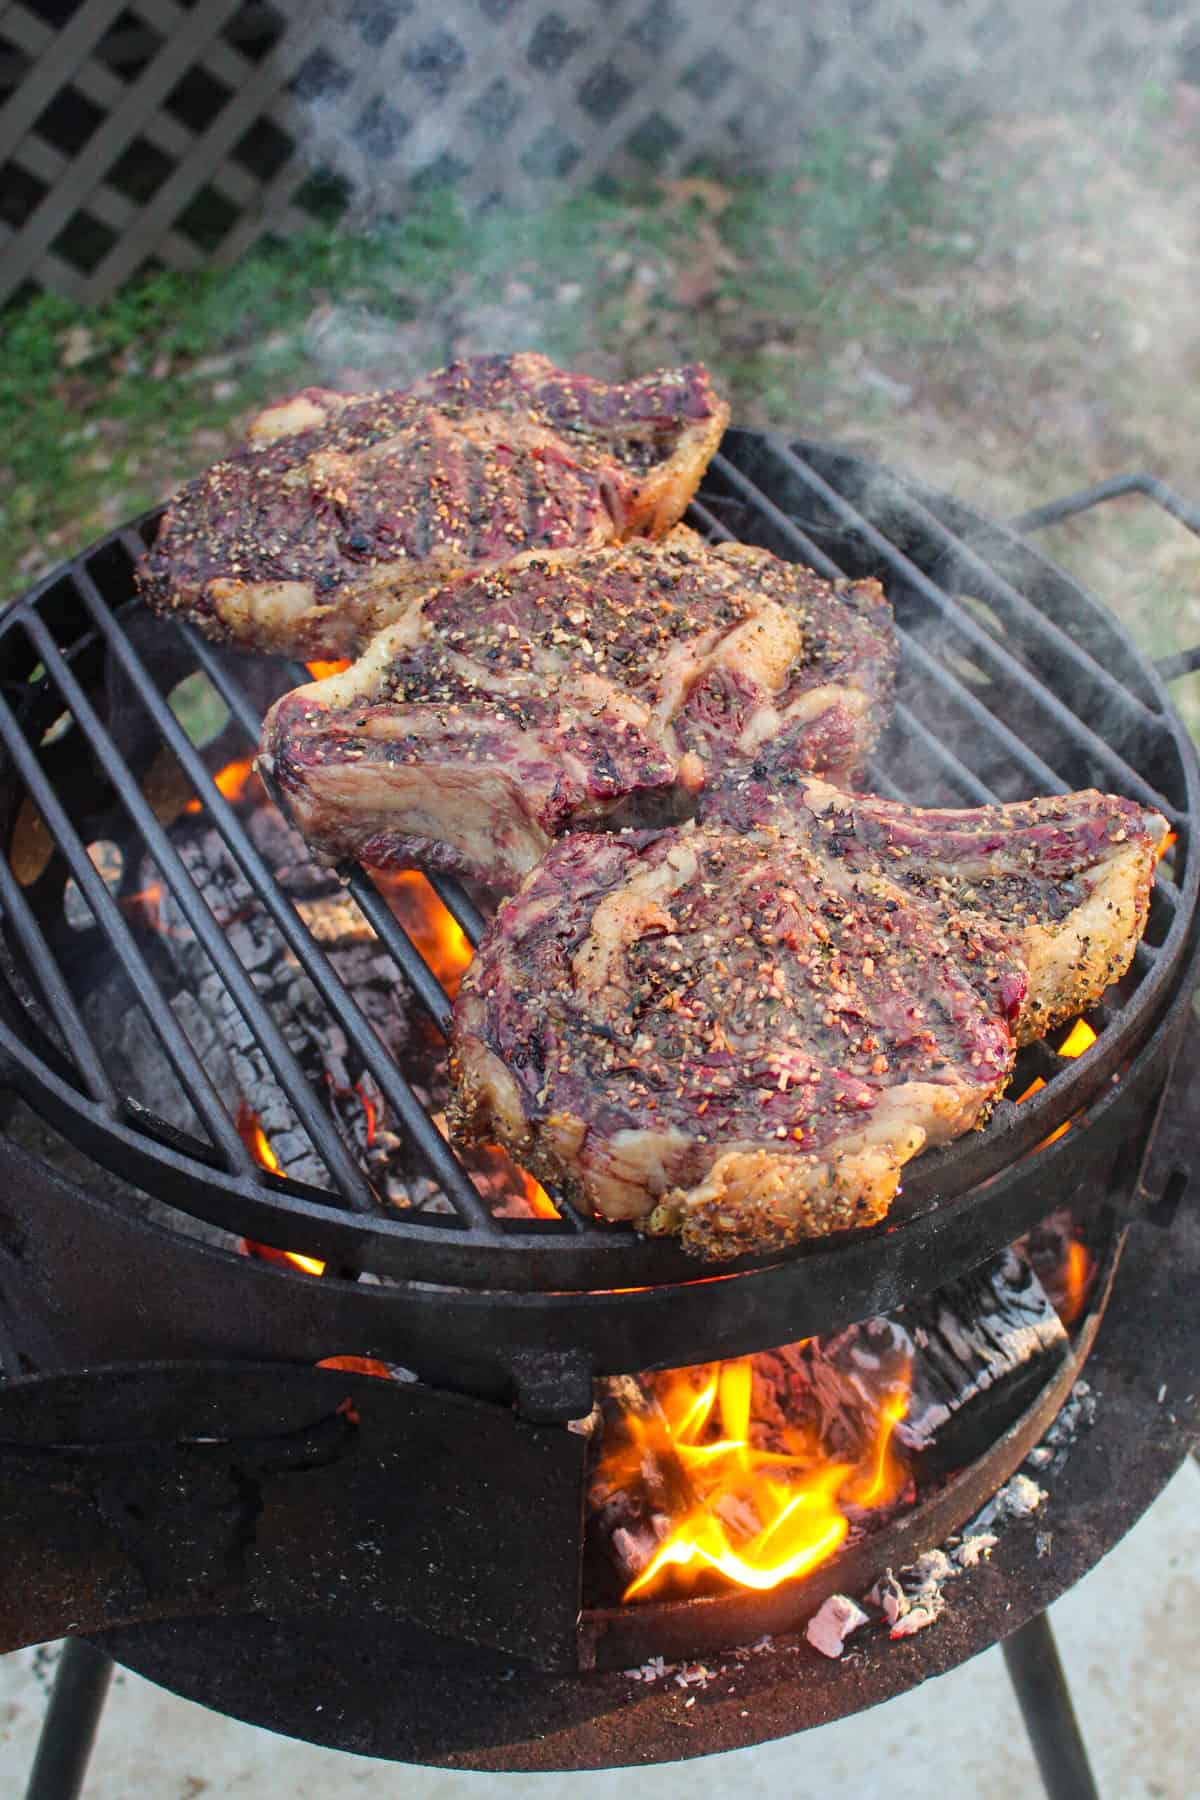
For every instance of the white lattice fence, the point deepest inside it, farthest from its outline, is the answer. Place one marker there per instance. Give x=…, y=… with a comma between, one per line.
x=136, y=135
x=174, y=131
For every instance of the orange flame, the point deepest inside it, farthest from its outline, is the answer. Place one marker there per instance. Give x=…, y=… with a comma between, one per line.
x=1076, y=1281
x=439, y=938
x=1081, y=1037
x=1035, y=1087
x=146, y=907
x=320, y=670
x=1169, y=842
x=232, y=781
x=541, y=1205
x=255, y=1138
x=257, y=1142
x=761, y=1516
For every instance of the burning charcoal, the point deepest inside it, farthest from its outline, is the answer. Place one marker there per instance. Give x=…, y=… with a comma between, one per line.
x=226, y=1043
x=829, y=1628
x=642, y=1483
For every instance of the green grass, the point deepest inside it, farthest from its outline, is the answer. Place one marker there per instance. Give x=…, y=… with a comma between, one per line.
x=104, y=409
x=935, y=298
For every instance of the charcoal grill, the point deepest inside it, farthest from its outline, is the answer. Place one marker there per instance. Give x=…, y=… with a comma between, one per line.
x=1012, y=682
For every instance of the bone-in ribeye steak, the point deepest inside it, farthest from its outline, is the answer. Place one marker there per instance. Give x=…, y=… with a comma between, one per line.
x=543, y=697
x=343, y=506
x=741, y=1029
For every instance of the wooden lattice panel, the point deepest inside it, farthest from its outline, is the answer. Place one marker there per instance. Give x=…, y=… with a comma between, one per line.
x=135, y=135
x=174, y=131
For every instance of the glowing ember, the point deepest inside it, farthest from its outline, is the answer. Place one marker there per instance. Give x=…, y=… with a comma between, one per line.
x=359, y=1093
x=257, y=1142
x=1169, y=842
x=319, y=670
x=287, y=1259
x=441, y=941
x=357, y=1365
x=145, y=907
x=309, y=1265
x=758, y=1515
x=1081, y=1037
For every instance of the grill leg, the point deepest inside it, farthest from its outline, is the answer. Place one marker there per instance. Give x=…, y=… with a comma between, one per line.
x=69, y=1728
x=1041, y=1688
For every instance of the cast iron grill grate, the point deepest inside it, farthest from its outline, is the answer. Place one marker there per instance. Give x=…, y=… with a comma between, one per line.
x=1012, y=682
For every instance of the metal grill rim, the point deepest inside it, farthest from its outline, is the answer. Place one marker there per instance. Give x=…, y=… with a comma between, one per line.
x=228, y=1188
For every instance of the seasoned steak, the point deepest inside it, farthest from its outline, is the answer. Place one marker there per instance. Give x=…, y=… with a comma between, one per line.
x=543, y=697
x=741, y=1029
x=343, y=506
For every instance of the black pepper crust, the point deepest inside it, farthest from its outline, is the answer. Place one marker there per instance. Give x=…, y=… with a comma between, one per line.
x=341, y=505
x=623, y=680
x=741, y=1029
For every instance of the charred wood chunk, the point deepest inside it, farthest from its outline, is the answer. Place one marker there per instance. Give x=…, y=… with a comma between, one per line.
x=983, y=1346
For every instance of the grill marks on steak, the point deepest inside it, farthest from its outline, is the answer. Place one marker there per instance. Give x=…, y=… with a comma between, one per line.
x=741, y=1029
x=552, y=695
x=343, y=507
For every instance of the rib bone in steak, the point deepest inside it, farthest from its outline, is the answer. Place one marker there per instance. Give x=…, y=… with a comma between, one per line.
x=342, y=506
x=509, y=708
x=741, y=1029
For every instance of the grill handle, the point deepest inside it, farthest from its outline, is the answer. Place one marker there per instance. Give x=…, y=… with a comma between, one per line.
x=1183, y=662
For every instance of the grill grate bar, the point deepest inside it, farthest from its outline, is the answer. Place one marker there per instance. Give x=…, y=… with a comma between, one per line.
x=347, y=1177
x=183, y=1059
x=977, y=792
x=978, y=714
x=995, y=656
x=880, y=782
x=915, y=653
x=231, y=692
x=387, y=928
x=57, y=995
x=1035, y=626
x=459, y=904
x=384, y=922
x=787, y=527
x=708, y=523
x=437, y=1155
x=379, y=915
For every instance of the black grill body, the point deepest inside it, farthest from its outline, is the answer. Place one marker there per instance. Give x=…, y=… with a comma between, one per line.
x=1013, y=682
